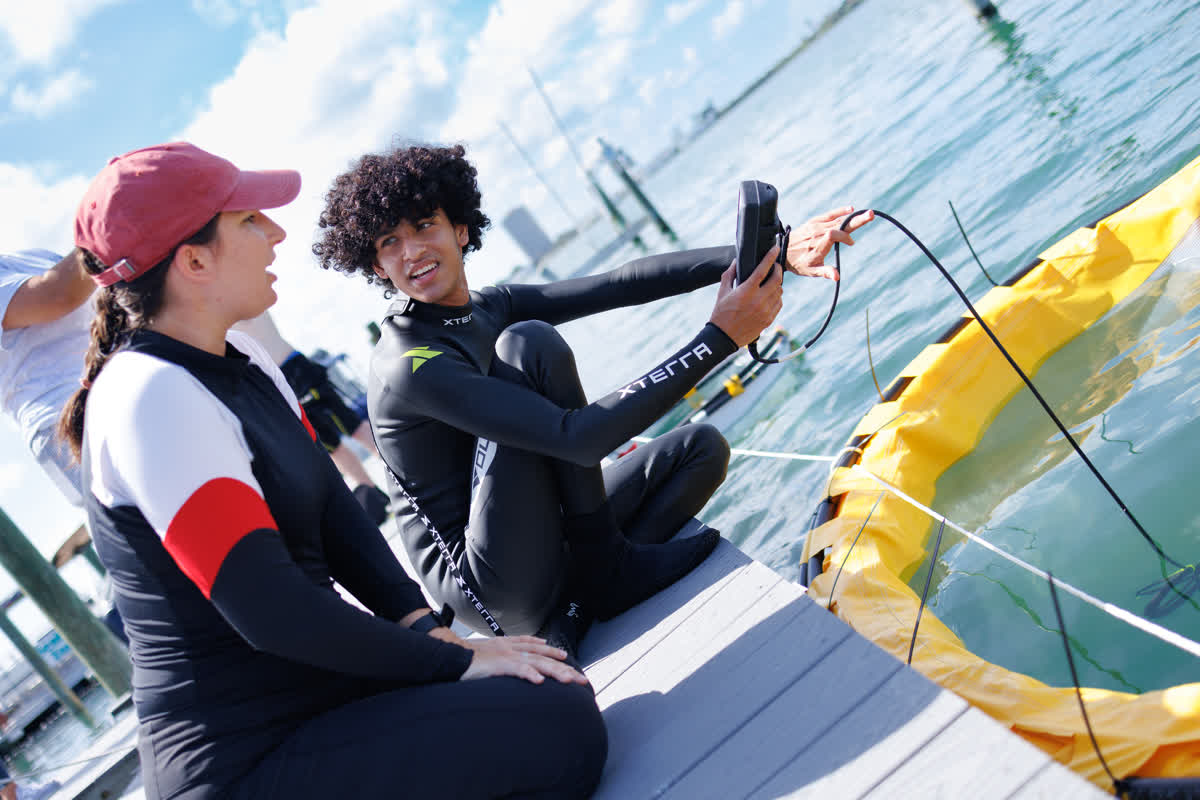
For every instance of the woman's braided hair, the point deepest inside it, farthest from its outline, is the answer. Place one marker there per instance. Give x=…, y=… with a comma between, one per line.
x=121, y=309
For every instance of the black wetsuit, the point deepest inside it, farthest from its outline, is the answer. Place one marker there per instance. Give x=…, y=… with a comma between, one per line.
x=479, y=412
x=223, y=525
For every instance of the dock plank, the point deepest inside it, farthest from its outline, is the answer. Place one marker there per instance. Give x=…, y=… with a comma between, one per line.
x=705, y=633
x=657, y=728
x=974, y=756
x=848, y=679
x=1055, y=782
x=736, y=684
x=611, y=648
x=868, y=743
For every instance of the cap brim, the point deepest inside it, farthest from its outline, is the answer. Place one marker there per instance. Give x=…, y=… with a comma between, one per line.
x=263, y=189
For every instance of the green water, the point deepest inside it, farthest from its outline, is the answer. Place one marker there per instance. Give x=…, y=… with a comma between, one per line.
x=1031, y=126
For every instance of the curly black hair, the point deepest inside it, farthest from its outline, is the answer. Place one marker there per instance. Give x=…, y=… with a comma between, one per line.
x=381, y=190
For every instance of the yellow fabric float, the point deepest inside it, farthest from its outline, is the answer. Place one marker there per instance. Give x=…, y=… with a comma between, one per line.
x=937, y=411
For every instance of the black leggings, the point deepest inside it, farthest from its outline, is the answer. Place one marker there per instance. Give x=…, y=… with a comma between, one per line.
x=495, y=737
x=514, y=555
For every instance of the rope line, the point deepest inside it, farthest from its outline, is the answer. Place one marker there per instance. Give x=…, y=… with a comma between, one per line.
x=1146, y=626
x=1166, y=635
x=43, y=770
x=760, y=453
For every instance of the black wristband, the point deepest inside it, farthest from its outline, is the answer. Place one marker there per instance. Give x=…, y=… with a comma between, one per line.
x=426, y=623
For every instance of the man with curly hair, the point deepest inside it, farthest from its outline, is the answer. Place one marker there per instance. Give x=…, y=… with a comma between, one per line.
x=477, y=408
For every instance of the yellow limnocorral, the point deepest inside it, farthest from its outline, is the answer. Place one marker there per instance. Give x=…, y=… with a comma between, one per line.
x=935, y=413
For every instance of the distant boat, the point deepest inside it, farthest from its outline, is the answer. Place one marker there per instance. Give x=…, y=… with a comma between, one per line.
x=24, y=696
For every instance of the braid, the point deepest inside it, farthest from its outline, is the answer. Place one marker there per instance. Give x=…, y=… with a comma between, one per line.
x=108, y=329
x=121, y=309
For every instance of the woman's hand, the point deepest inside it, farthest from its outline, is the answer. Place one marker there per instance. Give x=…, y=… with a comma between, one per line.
x=525, y=657
x=812, y=241
x=743, y=311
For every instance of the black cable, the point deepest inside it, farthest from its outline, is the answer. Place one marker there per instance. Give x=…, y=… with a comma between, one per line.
x=1180, y=567
x=963, y=231
x=925, y=592
x=781, y=259
x=1119, y=787
x=850, y=548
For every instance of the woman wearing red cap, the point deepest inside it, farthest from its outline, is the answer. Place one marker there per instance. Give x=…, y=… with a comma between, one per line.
x=224, y=525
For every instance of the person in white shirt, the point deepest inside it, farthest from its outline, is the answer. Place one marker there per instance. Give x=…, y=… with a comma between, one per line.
x=45, y=312
x=45, y=316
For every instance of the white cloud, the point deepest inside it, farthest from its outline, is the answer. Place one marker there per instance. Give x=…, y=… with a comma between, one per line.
x=221, y=12
x=620, y=17
x=600, y=70
x=35, y=212
x=36, y=31
x=678, y=12
x=494, y=79
x=648, y=89
x=260, y=15
x=43, y=101
x=724, y=23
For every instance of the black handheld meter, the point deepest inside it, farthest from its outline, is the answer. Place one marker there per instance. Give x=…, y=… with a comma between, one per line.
x=758, y=227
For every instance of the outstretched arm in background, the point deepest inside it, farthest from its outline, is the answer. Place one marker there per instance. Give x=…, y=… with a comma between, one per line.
x=50, y=296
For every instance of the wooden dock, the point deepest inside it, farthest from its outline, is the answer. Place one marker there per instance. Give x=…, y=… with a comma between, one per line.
x=734, y=684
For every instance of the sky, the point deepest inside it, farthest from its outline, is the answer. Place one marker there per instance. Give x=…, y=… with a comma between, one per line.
x=314, y=85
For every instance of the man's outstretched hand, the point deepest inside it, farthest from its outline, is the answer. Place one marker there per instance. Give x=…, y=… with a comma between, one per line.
x=812, y=241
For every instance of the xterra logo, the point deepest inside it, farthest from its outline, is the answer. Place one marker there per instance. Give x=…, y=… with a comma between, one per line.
x=694, y=356
x=450, y=323
x=420, y=355
x=485, y=451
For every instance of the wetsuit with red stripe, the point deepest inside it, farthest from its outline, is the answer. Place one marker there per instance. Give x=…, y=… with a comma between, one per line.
x=224, y=525
x=442, y=399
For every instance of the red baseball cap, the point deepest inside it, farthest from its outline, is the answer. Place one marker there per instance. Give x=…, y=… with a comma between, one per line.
x=144, y=203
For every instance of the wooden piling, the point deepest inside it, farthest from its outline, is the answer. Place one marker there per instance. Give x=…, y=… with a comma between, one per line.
x=87, y=635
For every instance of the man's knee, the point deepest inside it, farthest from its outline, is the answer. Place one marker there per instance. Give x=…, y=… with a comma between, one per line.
x=708, y=446
x=535, y=348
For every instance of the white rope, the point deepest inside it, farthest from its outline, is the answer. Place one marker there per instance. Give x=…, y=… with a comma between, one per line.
x=1144, y=625
x=43, y=770
x=761, y=453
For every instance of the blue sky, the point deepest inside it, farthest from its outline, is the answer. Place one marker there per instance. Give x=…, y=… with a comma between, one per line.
x=312, y=85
